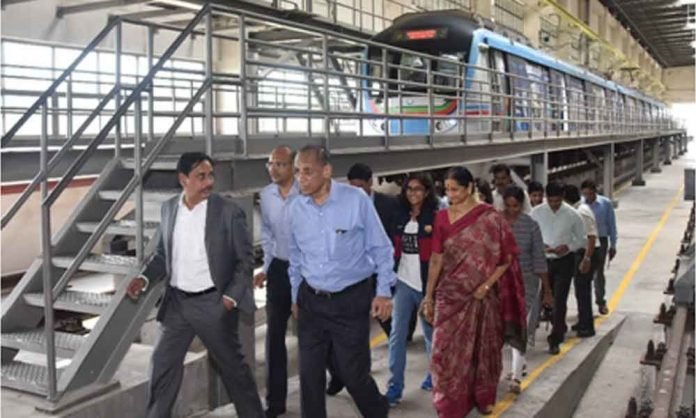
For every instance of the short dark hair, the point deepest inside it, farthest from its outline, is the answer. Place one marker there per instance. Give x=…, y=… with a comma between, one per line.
x=360, y=171
x=554, y=189
x=498, y=168
x=535, y=186
x=461, y=175
x=190, y=160
x=572, y=193
x=320, y=153
x=484, y=187
x=430, y=203
x=515, y=192
x=589, y=184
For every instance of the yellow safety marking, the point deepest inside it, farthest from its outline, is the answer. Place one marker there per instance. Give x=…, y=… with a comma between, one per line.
x=378, y=339
x=509, y=399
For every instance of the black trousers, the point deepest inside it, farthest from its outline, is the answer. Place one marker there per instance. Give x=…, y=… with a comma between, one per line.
x=583, y=291
x=599, y=280
x=561, y=272
x=278, y=311
x=337, y=325
x=206, y=317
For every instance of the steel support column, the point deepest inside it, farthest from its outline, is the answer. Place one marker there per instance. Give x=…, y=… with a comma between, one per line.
x=668, y=150
x=608, y=166
x=656, y=157
x=540, y=167
x=640, y=164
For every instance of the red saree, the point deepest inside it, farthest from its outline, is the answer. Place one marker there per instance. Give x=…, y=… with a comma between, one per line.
x=469, y=334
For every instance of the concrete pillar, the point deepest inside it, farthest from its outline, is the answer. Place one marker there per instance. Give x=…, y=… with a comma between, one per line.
x=483, y=8
x=676, y=146
x=608, y=175
x=640, y=166
x=667, y=144
x=540, y=167
x=532, y=22
x=656, y=157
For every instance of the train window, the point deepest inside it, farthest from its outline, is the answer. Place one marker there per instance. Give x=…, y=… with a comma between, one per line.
x=558, y=101
x=576, y=103
x=538, y=78
x=446, y=73
x=416, y=71
x=520, y=89
x=598, y=101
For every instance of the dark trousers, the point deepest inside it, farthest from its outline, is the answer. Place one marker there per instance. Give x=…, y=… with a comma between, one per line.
x=561, y=272
x=583, y=291
x=599, y=280
x=278, y=304
x=205, y=316
x=337, y=325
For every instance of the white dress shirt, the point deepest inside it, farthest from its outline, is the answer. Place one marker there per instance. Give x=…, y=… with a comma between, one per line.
x=588, y=219
x=563, y=227
x=190, y=270
x=499, y=202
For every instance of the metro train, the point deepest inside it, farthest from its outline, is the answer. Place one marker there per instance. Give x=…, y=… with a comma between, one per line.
x=491, y=82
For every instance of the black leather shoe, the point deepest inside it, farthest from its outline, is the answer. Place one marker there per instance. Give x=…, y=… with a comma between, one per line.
x=585, y=333
x=335, y=386
x=575, y=327
x=603, y=310
x=554, y=349
x=274, y=413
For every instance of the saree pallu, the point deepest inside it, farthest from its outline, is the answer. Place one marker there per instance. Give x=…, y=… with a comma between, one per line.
x=468, y=333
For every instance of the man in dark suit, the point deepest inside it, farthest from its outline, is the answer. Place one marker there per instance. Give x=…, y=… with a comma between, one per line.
x=360, y=175
x=204, y=256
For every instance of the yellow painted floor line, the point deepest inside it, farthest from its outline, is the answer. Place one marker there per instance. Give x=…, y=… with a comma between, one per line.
x=509, y=399
x=378, y=339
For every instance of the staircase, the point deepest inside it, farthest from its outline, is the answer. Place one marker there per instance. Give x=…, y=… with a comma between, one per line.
x=123, y=201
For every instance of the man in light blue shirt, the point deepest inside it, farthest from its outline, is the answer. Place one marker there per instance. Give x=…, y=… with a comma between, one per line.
x=275, y=230
x=603, y=209
x=336, y=243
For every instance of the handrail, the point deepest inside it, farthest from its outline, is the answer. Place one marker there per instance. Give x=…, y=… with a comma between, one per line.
x=75, y=167
x=51, y=90
x=125, y=194
x=55, y=160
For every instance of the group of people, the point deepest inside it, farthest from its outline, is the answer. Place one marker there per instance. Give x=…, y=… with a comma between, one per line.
x=474, y=270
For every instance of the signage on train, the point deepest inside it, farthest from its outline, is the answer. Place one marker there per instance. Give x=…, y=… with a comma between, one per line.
x=423, y=34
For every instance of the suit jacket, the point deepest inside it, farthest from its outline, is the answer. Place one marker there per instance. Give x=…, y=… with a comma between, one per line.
x=387, y=206
x=227, y=245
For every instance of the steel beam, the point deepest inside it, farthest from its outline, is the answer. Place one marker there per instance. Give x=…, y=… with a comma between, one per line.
x=94, y=6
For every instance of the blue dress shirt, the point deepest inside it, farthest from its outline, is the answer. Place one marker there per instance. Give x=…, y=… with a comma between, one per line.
x=339, y=243
x=275, y=228
x=603, y=209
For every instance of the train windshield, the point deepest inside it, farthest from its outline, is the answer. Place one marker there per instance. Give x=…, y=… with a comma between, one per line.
x=411, y=73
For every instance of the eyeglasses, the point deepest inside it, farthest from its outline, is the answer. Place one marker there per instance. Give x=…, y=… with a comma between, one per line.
x=277, y=164
x=415, y=189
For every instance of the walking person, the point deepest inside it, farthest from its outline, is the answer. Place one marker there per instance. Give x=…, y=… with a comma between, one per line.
x=274, y=202
x=534, y=273
x=475, y=296
x=603, y=209
x=564, y=233
x=502, y=178
x=337, y=243
x=412, y=250
x=204, y=256
x=587, y=259
x=535, y=190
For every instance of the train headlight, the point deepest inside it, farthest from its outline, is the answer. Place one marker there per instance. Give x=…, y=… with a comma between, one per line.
x=444, y=125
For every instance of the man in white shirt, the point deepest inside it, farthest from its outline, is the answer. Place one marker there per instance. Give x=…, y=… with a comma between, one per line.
x=502, y=178
x=204, y=257
x=564, y=233
x=587, y=264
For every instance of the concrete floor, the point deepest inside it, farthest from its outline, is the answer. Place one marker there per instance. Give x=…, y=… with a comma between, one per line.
x=634, y=283
x=642, y=280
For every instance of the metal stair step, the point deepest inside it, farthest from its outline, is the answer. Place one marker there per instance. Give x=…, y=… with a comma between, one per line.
x=103, y=263
x=73, y=301
x=35, y=341
x=26, y=377
x=165, y=164
x=149, y=196
x=123, y=227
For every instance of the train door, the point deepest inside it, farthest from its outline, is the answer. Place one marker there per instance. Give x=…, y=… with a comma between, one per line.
x=500, y=103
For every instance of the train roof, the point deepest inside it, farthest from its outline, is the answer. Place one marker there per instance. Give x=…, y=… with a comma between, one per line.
x=463, y=27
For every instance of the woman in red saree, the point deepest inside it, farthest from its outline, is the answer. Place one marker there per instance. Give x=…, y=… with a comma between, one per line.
x=475, y=298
